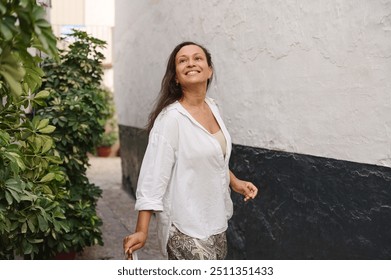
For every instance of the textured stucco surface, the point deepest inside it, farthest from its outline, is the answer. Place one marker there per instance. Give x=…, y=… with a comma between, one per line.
x=310, y=77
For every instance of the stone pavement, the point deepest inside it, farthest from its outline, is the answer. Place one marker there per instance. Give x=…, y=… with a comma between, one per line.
x=116, y=208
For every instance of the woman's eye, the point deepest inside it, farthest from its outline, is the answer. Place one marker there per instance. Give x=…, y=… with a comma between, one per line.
x=198, y=58
x=182, y=61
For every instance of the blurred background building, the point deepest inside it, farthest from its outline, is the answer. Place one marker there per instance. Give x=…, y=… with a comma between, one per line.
x=96, y=17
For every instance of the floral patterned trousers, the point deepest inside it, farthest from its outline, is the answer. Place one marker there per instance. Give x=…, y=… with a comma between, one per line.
x=183, y=247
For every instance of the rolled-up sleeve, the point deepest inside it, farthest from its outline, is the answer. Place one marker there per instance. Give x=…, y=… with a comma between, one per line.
x=156, y=169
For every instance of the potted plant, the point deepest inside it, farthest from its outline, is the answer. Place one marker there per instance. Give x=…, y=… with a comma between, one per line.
x=106, y=142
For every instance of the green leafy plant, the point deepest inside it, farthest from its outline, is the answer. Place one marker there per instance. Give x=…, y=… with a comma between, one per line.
x=47, y=204
x=110, y=136
x=32, y=182
x=78, y=107
x=108, y=139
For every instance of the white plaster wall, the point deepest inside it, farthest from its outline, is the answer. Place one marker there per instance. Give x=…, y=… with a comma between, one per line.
x=306, y=76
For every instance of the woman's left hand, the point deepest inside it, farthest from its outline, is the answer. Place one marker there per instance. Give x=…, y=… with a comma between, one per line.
x=247, y=189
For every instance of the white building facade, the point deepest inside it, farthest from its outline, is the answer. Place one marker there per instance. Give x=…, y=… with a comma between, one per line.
x=96, y=17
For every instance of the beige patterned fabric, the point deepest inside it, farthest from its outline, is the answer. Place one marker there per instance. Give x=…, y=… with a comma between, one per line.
x=183, y=247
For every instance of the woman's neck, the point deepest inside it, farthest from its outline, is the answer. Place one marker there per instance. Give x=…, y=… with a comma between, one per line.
x=193, y=97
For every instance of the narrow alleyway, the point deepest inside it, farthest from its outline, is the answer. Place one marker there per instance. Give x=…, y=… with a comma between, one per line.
x=116, y=208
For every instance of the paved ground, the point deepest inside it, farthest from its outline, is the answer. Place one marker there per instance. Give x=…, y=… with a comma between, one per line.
x=116, y=208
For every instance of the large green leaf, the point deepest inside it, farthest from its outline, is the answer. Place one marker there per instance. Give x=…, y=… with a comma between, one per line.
x=15, y=159
x=48, y=144
x=43, y=123
x=48, y=129
x=11, y=71
x=48, y=177
x=43, y=223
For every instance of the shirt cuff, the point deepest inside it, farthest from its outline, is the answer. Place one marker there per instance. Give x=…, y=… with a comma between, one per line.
x=148, y=204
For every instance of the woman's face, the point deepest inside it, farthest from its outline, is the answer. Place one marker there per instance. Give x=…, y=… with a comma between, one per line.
x=192, y=66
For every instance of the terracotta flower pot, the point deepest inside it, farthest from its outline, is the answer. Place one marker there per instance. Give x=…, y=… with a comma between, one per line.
x=65, y=256
x=103, y=151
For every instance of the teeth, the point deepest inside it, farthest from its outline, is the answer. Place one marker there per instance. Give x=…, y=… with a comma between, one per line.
x=192, y=72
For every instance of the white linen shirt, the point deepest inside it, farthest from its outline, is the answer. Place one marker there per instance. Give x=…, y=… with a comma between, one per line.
x=184, y=175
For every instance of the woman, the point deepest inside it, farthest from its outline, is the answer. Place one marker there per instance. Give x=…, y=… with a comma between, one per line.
x=184, y=177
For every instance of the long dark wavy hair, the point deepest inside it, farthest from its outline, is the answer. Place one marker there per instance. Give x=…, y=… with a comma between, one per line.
x=170, y=91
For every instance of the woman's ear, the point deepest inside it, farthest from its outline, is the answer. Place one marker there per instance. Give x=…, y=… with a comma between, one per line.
x=210, y=72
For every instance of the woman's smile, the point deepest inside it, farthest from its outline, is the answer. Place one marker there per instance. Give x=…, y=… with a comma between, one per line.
x=192, y=72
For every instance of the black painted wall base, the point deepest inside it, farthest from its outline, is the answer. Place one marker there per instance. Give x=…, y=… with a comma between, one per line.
x=308, y=207
x=133, y=145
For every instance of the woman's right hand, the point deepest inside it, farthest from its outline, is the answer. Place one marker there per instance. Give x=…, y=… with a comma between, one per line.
x=137, y=240
x=134, y=242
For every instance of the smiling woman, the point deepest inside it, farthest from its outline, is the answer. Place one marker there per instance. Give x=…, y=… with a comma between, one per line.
x=184, y=177
x=171, y=89
x=192, y=67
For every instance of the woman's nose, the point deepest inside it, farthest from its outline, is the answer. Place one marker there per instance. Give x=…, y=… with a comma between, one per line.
x=191, y=63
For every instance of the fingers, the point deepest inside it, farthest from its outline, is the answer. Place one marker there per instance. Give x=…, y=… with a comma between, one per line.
x=127, y=244
x=253, y=190
x=133, y=242
x=250, y=191
x=128, y=256
x=130, y=244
